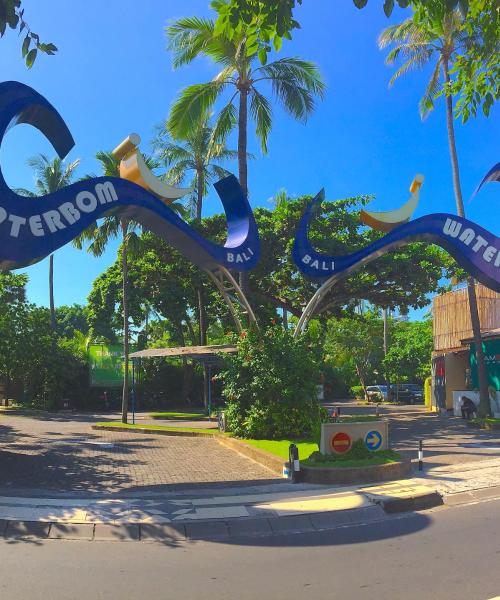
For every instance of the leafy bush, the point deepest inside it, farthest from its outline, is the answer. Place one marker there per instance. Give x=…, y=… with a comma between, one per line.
x=270, y=386
x=359, y=451
x=357, y=391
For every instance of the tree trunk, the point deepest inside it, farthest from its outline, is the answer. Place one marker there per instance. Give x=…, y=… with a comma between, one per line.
x=484, y=400
x=51, y=294
x=199, y=194
x=362, y=380
x=125, y=395
x=242, y=162
x=386, y=349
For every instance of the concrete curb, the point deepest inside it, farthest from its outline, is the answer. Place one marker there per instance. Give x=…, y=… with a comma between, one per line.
x=349, y=475
x=414, y=503
x=175, y=533
x=170, y=432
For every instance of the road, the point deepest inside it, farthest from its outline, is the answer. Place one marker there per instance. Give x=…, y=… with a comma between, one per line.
x=450, y=553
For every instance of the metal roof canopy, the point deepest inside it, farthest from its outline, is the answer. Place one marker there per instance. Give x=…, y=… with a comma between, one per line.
x=209, y=355
x=204, y=354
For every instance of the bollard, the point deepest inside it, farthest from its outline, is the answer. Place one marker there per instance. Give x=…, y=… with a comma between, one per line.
x=377, y=410
x=293, y=462
x=420, y=455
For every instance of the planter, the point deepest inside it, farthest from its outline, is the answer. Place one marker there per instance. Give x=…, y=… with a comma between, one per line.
x=348, y=475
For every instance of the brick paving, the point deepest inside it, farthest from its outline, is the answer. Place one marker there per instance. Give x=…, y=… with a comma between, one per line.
x=61, y=454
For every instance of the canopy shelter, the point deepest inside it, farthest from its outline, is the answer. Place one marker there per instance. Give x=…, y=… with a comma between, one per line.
x=208, y=355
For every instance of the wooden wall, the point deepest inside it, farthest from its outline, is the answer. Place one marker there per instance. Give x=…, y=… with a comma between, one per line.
x=451, y=316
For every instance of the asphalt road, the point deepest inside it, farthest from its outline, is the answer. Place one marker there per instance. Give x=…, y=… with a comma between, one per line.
x=445, y=554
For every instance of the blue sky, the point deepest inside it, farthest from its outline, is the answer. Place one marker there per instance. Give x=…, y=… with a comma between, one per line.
x=113, y=75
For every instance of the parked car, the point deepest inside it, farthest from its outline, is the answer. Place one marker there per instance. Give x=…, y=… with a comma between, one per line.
x=407, y=393
x=377, y=393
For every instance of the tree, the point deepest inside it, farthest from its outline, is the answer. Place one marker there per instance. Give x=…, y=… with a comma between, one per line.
x=271, y=21
x=12, y=15
x=295, y=84
x=408, y=358
x=437, y=34
x=198, y=154
x=356, y=341
x=270, y=385
x=71, y=319
x=97, y=237
x=50, y=176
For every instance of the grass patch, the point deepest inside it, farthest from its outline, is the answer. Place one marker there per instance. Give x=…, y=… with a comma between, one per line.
x=280, y=447
x=357, y=419
x=117, y=425
x=173, y=415
x=485, y=423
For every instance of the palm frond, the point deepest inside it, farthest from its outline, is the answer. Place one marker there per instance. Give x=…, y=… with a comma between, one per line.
x=261, y=112
x=426, y=104
x=296, y=71
x=189, y=108
x=224, y=124
x=412, y=64
x=187, y=38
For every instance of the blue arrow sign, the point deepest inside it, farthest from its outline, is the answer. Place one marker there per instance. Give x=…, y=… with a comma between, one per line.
x=373, y=440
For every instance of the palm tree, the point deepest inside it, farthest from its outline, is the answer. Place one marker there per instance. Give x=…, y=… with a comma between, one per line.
x=97, y=237
x=421, y=42
x=197, y=153
x=50, y=176
x=294, y=83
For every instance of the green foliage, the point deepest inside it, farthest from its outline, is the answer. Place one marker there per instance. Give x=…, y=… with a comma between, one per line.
x=409, y=354
x=358, y=455
x=270, y=386
x=357, y=344
x=12, y=15
x=199, y=155
x=295, y=83
x=70, y=319
x=35, y=368
x=357, y=391
x=463, y=45
x=476, y=68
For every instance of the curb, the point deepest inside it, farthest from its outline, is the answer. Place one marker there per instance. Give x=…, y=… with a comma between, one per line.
x=170, y=432
x=175, y=533
x=413, y=503
x=271, y=461
x=350, y=475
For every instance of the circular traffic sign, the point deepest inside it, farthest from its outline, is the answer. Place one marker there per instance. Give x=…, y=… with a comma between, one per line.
x=373, y=440
x=341, y=442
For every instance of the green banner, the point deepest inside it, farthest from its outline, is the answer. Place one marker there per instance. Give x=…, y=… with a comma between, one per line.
x=491, y=349
x=106, y=365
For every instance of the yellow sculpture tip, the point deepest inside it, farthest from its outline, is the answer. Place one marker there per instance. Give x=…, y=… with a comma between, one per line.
x=417, y=182
x=129, y=144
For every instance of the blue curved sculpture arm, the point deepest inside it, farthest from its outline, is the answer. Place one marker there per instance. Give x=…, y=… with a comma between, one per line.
x=473, y=247
x=32, y=228
x=492, y=175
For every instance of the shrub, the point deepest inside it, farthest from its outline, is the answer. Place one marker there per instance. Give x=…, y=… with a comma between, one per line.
x=357, y=391
x=270, y=386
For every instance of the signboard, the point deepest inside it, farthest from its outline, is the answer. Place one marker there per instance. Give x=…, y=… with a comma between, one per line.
x=341, y=442
x=338, y=438
x=491, y=349
x=106, y=365
x=476, y=249
x=31, y=230
x=373, y=440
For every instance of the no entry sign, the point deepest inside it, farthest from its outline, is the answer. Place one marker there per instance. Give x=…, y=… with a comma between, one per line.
x=341, y=442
